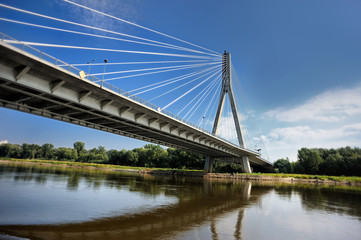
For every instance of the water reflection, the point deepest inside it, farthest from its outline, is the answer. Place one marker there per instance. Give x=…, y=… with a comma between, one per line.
x=330, y=199
x=160, y=223
x=198, y=202
x=183, y=208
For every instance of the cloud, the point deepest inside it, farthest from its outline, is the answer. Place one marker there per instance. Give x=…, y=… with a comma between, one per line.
x=328, y=120
x=284, y=142
x=4, y=142
x=330, y=106
x=127, y=10
x=306, y=133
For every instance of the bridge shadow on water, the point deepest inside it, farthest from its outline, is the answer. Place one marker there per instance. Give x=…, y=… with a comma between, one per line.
x=199, y=203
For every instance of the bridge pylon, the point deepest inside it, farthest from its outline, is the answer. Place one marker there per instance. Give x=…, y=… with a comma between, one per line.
x=227, y=89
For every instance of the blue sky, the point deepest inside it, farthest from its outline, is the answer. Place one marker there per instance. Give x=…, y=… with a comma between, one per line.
x=298, y=63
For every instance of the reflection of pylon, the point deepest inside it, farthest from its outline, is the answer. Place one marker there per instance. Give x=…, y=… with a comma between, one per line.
x=227, y=88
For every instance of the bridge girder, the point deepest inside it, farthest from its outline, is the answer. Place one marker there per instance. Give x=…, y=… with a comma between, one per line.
x=44, y=89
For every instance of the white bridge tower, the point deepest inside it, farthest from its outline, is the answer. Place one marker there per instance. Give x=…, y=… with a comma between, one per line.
x=227, y=89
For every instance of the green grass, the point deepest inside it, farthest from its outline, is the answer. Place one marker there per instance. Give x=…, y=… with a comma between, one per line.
x=125, y=168
x=97, y=165
x=305, y=176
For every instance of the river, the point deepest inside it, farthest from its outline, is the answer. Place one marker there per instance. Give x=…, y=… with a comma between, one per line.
x=56, y=202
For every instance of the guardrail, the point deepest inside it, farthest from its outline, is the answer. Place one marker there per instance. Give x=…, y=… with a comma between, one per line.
x=57, y=62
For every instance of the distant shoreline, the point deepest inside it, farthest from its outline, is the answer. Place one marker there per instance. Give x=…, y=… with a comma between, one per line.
x=259, y=177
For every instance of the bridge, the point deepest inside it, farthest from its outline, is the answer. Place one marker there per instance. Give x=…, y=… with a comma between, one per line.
x=34, y=82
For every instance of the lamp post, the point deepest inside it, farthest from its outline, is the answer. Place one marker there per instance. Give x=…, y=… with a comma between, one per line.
x=90, y=63
x=105, y=64
x=258, y=149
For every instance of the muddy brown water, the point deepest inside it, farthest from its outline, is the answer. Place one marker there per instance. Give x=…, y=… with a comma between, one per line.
x=54, y=202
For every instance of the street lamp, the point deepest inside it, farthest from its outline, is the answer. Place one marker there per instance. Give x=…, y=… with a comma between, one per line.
x=105, y=64
x=90, y=63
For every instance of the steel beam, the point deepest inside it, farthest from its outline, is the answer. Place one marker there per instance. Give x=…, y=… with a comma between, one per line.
x=54, y=85
x=22, y=71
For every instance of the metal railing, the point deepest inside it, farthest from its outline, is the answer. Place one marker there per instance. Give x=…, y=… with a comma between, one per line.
x=101, y=83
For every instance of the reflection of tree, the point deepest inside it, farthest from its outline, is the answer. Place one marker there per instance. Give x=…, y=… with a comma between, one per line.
x=284, y=191
x=335, y=199
x=40, y=179
x=73, y=181
x=96, y=178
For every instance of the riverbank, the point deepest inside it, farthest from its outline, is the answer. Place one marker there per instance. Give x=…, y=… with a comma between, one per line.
x=266, y=177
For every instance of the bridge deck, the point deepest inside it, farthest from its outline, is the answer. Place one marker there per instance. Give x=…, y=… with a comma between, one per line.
x=33, y=85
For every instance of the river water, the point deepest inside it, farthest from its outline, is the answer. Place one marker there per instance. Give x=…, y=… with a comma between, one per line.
x=54, y=202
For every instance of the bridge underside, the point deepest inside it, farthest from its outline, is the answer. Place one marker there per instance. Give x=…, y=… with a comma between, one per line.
x=35, y=86
x=32, y=101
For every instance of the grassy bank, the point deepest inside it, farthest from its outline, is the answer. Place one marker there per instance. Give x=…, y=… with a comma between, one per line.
x=196, y=173
x=304, y=176
x=96, y=165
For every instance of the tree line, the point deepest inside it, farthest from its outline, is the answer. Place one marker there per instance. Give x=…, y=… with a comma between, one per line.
x=344, y=161
x=148, y=156
x=334, y=162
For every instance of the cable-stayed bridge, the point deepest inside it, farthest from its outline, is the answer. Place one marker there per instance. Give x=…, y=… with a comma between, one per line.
x=181, y=93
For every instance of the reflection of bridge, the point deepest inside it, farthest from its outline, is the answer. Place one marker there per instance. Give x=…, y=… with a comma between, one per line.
x=166, y=222
x=33, y=85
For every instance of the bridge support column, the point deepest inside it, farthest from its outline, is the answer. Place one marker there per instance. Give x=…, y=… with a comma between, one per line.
x=227, y=89
x=245, y=165
x=208, y=165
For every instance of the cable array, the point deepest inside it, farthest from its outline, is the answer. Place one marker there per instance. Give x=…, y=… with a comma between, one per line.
x=179, y=76
x=248, y=123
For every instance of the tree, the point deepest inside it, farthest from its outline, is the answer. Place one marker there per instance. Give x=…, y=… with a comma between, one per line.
x=174, y=159
x=130, y=158
x=10, y=150
x=142, y=156
x=115, y=156
x=310, y=160
x=79, y=147
x=282, y=165
x=95, y=155
x=29, y=150
x=329, y=165
x=47, y=151
x=66, y=154
x=297, y=167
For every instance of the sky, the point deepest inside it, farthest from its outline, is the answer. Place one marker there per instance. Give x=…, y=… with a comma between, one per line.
x=299, y=64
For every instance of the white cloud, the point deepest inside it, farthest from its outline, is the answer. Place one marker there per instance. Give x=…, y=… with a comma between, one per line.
x=4, y=142
x=330, y=106
x=306, y=133
x=127, y=10
x=328, y=120
x=285, y=142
